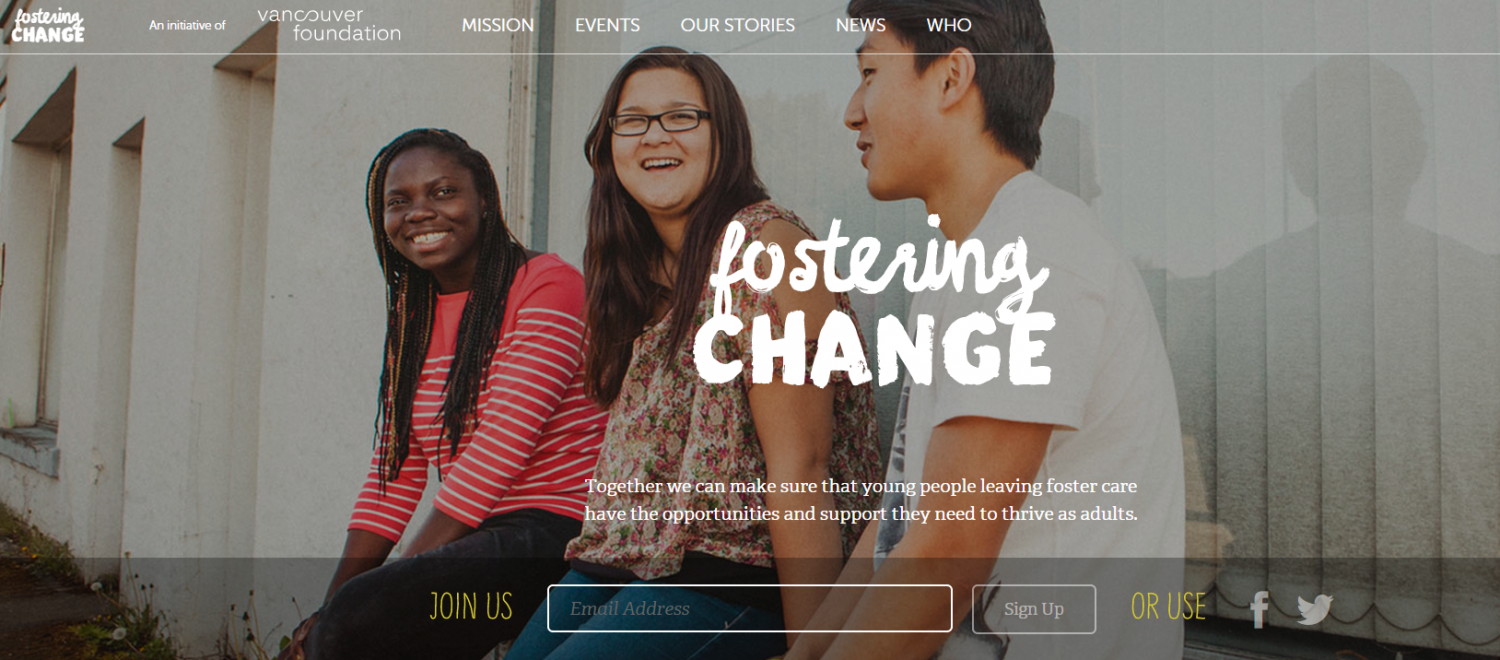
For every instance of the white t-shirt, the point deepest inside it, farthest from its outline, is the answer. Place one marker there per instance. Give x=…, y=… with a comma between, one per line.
x=1114, y=410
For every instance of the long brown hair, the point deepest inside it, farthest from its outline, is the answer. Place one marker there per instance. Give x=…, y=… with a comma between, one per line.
x=623, y=245
x=411, y=295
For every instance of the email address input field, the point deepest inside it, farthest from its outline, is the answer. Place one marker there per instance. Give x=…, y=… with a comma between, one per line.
x=654, y=611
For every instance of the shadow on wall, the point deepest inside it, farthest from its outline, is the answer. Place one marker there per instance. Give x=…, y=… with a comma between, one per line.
x=1308, y=370
x=1068, y=160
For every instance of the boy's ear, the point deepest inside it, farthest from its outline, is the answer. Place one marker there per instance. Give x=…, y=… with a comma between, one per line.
x=957, y=70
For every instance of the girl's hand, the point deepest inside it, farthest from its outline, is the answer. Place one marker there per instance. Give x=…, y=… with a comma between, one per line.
x=293, y=651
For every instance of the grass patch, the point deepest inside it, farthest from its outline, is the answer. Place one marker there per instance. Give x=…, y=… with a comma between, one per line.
x=133, y=629
x=48, y=556
x=244, y=641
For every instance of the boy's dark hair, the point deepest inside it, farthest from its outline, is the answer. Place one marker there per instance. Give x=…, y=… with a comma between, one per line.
x=1013, y=58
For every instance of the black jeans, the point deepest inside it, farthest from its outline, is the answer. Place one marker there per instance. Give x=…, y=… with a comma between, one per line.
x=457, y=601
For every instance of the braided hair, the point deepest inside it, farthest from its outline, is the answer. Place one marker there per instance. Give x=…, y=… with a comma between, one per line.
x=410, y=299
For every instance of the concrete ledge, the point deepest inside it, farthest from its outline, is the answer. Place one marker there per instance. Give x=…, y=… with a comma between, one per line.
x=34, y=447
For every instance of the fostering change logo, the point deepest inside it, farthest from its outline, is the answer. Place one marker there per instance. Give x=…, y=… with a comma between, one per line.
x=838, y=342
x=43, y=26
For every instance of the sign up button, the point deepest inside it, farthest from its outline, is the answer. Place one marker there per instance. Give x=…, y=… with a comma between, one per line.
x=1036, y=609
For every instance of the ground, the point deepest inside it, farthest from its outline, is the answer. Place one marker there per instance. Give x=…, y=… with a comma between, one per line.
x=36, y=612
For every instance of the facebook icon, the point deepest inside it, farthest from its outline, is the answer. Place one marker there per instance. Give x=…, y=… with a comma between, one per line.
x=1259, y=606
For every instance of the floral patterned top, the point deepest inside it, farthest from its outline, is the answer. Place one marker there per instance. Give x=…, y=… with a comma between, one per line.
x=669, y=425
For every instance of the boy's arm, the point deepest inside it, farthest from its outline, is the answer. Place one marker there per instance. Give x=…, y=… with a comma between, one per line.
x=795, y=427
x=835, y=609
x=966, y=447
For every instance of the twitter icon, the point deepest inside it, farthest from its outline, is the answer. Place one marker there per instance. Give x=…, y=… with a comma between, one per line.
x=1313, y=613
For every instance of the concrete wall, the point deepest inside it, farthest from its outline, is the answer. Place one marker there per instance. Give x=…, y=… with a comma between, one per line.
x=223, y=307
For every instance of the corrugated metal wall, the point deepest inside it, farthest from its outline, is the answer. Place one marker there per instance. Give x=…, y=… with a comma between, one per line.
x=1310, y=190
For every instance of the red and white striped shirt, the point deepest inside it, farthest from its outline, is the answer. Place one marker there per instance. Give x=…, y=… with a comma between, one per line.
x=538, y=433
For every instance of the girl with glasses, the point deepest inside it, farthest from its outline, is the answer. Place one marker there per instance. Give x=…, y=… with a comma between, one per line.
x=673, y=166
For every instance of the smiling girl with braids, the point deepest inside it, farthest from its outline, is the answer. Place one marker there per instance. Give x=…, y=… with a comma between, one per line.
x=483, y=379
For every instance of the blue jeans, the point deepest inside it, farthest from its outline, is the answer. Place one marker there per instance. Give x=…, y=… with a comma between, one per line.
x=702, y=612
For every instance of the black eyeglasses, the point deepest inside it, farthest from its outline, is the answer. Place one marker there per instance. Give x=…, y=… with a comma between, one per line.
x=673, y=121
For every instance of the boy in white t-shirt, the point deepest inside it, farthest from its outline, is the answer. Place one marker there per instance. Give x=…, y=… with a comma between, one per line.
x=953, y=118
